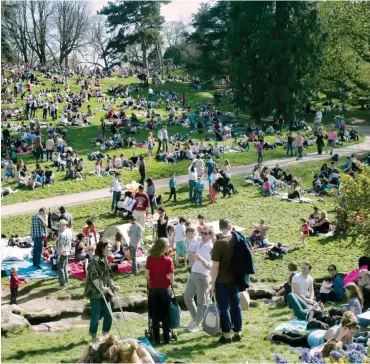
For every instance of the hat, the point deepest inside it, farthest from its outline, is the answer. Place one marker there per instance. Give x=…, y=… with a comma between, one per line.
x=13, y=269
x=63, y=222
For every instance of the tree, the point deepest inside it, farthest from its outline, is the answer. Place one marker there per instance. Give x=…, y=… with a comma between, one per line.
x=37, y=31
x=134, y=22
x=175, y=32
x=276, y=50
x=356, y=201
x=175, y=53
x=72, y=19
x=209, y=38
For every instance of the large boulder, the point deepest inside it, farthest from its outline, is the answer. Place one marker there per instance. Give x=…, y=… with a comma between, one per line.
x=262, y=292
x=12, y=323
x=129, y=316
x=130, y=301
x=61, y=325
x=53, y=313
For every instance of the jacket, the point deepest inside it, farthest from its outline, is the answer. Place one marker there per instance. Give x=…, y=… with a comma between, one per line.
x=98, y=268
x=242, y=261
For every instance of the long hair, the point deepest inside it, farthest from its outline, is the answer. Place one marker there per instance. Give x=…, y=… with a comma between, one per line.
x=157, y=249
x=100, y=248
x=354, y=291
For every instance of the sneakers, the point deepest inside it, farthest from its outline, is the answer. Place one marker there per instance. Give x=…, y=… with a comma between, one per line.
x=224, y=340
x=237, y=338
x=192, y=327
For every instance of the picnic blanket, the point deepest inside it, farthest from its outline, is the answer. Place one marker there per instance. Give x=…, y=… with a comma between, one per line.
x=76, y=269
x=293, y=325
x=27, y=270
x=15, y=253
x=284, y=196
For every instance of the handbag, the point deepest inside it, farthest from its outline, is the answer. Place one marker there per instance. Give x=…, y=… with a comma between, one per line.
x=175, y=312
x=211, y=320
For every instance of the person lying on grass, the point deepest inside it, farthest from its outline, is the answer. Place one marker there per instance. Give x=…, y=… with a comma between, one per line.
x=110, y=350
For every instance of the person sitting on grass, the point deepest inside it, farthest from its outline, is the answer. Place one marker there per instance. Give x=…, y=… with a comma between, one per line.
x=323, y=225
x=325, y=187
x=287, y=288
x=294, y=191
x=266, y=187
x=354, y=298
x=336, y=289
x=117, y=248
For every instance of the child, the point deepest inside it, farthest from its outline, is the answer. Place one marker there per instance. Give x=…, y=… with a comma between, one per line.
x=201, y=223
x=266, y=187
x=171, y=237
x=180, y=240
x=191, y=244
x=259, y=148
x=14, y=284
x=172, y=184
x=98, y=167
x=199, y=187
x=305, y=231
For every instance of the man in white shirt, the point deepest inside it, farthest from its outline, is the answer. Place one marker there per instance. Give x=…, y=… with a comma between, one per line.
x=165, y=138
x=49, y=146
x=116, y=189
x=302, y=297
x=199, y=279
x=64, y=245
x=160, y=140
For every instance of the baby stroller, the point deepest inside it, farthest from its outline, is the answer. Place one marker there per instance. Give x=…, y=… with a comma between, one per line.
x=127, y=214
x=174, y=318
x=53, y=225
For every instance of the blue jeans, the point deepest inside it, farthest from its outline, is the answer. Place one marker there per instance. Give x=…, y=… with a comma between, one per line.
x=228, y=301
x=37, y=250
x=289, y=148
x=260, y=157
x=115, y=200
x=198, y=197
x=133, y=251
x=99, y=310
x=191, y=190
x=62, y=267
x=300, y=307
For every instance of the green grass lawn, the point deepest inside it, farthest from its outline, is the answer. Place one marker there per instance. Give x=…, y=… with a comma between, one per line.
x=80, y=137
x=243, y=209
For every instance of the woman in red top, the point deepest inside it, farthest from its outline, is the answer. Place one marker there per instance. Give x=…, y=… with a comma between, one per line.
x=159, y=272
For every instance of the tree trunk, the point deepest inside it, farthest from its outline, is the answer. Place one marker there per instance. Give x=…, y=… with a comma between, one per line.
x=145, y=58
x=66, y=61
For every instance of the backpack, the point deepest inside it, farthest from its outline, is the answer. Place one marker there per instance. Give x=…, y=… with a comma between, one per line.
x=335, y=158
x=211, y=320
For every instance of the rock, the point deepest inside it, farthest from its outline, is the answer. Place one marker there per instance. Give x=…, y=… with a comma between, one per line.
x=12, y=323
x=52, y=314
x=14, y=309
x=61, y=325
x=262, y=292
x=279, y=301
x=130, y=301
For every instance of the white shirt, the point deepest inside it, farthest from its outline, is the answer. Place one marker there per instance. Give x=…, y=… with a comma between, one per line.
x=192, y=245
x=204, y=250
x=256, y=175
x=165, y=134
x=303, y=284
x=160, y=134
x=192, y=175
x=49, y=144
x=117, y=187
x=179, y=232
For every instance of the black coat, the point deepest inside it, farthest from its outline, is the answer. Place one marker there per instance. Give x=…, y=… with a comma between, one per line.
x=242, y=262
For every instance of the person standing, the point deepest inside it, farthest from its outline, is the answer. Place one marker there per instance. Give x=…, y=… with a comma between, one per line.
x=116, y=188
x=49, y=146
x=135, y=233
x=160, y=273
x=64, y=245
x=199, y=278
x=64, y=215
x=172, y=185
x=289, y=144
x=98, y=282
x=299, y=140
x=39, y=151
x=224, y=285
x=142, y=204
x=142, y=169
x=160, y=140
x=15, y=281
x=150, y=191
x=38, y=233
x=165, y=138
x=320, y=142
x=162, y=223
x=192, y=181
x=210, y=166
x=150, y=144
x=332, y=139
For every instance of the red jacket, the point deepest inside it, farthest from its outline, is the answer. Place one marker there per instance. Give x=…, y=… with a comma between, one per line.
x=15, y=280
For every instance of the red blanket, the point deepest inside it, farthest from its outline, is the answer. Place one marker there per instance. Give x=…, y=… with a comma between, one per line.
x=76, y=269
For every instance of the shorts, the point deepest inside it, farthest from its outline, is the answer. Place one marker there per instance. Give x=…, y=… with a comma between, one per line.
x=180, y=248
x=330, y=143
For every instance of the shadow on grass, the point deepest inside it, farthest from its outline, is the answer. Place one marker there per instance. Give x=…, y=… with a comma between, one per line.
x=19, y=355
x=39, y=294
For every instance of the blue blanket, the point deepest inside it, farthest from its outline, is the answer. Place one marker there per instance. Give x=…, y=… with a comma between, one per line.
x=27, y=270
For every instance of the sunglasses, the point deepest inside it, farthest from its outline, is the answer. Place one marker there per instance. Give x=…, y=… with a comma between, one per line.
x=204, y=233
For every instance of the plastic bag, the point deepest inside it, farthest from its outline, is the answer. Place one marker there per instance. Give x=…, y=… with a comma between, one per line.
x=211, y=321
